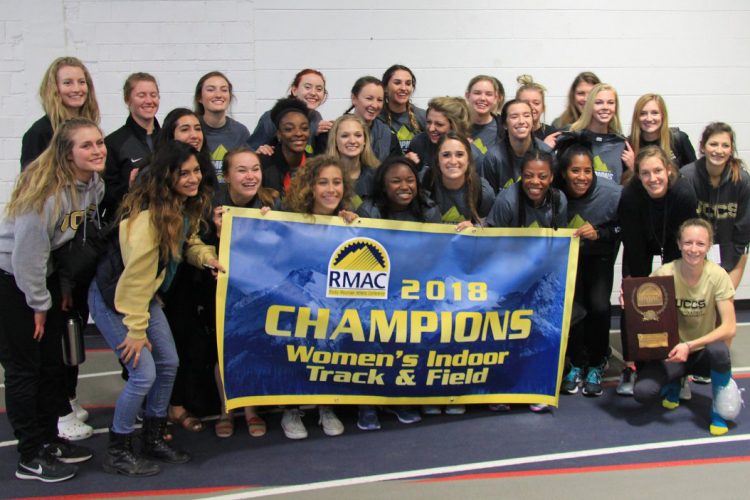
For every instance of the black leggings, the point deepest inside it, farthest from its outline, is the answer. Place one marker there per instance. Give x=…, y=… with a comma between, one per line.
x=589, y=339
x=654, y=375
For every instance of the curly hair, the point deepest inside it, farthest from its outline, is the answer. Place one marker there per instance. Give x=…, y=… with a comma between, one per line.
x=155, y=191
x=456, y=111
x=300, y=198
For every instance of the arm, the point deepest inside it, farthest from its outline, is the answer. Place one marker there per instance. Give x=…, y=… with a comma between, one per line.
x=264, y=132
x=138, y=282
x=724, y=332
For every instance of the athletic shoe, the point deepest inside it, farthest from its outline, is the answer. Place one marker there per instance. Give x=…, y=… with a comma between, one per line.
x=431, y=410
x=403, y=414
x=671, y=394
x=499, y=407
x=80, y=411
x=45, y=468
x=368, y=419
x=455, y=409
x=572, y=380
x=685, y=393
x=72, y=429
x=592, y=386
x=728, y=400
x=69, y=453
x=701, y=380
x=540, y=408
x=292, y=425
x=627, y=382
x=331, y=424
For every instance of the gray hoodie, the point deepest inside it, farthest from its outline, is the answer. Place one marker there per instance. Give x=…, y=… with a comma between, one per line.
x=27, y=240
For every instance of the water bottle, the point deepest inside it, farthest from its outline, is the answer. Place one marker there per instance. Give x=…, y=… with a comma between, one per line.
x=72, y=343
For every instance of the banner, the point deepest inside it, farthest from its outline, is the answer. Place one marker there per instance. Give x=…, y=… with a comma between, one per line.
x=315, y=311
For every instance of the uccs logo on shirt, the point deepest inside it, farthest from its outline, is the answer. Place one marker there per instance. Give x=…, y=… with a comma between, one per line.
x=359, y=269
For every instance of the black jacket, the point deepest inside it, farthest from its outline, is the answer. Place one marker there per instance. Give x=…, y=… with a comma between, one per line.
x=36, y=140
x=127, y=148
x=649, y=226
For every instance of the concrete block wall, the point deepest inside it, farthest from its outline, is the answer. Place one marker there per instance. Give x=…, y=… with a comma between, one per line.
x=693, y=53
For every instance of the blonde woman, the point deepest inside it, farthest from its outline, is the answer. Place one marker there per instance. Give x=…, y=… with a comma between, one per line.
x=601, y=122
x=51, y=199
x=349, y=142
x=66, y=91
x=650, y=127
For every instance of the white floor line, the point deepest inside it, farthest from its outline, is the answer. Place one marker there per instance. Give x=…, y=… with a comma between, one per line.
x=299, y=488
x=89, y=375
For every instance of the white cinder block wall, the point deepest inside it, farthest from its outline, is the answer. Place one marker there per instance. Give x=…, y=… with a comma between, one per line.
x=696, y=54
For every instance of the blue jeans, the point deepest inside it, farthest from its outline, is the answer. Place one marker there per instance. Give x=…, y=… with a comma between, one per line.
x=154, y=376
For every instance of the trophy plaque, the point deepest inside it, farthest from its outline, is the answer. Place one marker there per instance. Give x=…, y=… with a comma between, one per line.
x=650, y=328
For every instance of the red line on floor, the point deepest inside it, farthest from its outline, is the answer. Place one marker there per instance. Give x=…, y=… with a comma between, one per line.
x=583, y=470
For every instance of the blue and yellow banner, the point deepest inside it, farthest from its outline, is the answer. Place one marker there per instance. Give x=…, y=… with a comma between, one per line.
x=315, y=311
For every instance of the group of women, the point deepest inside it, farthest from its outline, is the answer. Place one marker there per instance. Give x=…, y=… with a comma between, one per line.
x=469, y=161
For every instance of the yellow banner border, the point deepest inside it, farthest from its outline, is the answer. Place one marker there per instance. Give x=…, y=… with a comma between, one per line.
x=223, y=280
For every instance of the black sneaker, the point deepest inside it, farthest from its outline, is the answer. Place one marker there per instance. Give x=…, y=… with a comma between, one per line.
x=45, y=468
x=592, y=386
x=69, y=453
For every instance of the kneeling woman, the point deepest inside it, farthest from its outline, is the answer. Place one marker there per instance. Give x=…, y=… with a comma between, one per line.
x=158, y=216
x=704, y=345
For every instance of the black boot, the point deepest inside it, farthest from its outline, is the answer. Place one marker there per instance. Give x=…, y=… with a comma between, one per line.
x=154, y=445
x=121, y=459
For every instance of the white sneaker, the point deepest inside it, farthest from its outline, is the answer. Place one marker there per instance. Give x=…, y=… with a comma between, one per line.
x=685, y=392
x=72, y=429
x=455, y=409
x=331, y=424
x=728, y=400
x=291, y=423
x=81, y=413
x=432, y=409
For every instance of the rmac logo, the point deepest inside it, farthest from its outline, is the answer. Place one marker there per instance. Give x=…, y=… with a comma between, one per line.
x=359, y=268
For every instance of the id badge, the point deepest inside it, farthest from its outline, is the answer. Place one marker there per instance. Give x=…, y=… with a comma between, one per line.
x=714, y=254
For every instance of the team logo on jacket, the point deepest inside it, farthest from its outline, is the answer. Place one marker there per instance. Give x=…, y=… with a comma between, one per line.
x=360, y=269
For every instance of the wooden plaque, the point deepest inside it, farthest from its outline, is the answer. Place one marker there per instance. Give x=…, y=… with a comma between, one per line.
x=650, y=327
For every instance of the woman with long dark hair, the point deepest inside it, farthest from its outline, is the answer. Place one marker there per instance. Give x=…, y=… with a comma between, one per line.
x=159, y=223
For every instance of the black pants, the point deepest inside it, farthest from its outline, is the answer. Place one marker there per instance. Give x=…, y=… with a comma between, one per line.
x=190, y=306
x=589, y=339
x=34, y=370
x=654, y=375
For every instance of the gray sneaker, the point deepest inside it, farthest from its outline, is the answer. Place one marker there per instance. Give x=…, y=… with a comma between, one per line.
x=292, y=425
x=331, y=424
x=685, y=393
x=627, y=382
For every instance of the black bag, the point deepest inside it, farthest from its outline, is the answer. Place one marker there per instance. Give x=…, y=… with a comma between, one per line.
x=76, y=260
